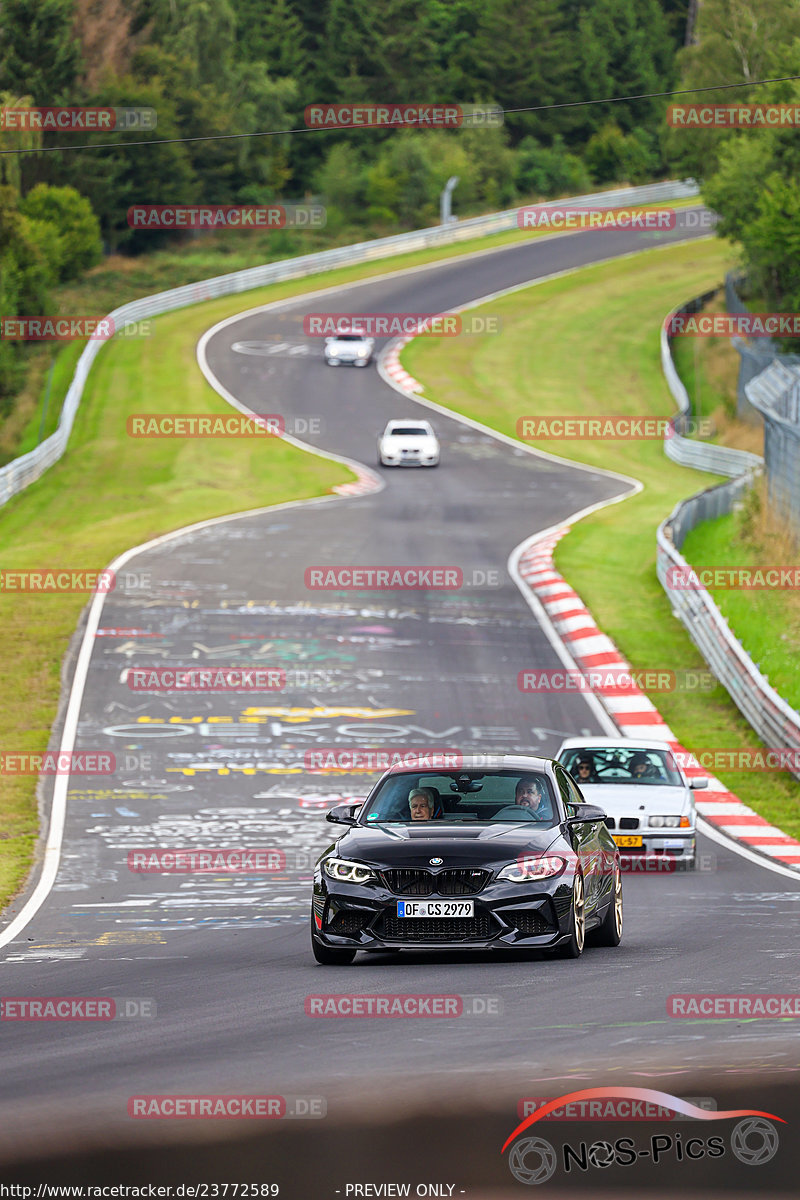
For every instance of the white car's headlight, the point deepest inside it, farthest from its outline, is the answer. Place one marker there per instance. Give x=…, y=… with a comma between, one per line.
x=525, y=870
x=350, y=872
x=669, y=823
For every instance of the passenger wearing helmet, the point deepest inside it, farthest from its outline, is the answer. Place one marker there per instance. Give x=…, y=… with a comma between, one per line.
x=583, y=771
x=640, y=766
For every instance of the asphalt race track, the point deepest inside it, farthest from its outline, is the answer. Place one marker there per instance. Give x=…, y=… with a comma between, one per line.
x=225, y=959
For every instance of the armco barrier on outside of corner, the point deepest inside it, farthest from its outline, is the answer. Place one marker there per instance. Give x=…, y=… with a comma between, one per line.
x=22, y=471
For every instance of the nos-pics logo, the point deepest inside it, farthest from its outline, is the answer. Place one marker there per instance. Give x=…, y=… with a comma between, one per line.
x=533, y=1160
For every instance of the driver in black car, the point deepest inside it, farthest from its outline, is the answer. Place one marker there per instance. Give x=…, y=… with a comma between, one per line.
x=531, y=793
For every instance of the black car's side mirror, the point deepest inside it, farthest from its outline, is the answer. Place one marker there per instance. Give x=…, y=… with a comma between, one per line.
x=584, y=813
x=343, y=814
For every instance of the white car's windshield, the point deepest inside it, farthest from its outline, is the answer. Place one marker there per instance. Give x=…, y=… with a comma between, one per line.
x=613, y=764
x=455, y=797
x=408, y=431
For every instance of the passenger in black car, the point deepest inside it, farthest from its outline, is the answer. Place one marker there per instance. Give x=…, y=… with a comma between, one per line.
x=422, y=803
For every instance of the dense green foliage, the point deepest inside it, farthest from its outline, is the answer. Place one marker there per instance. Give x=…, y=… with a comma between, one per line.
x=242, y=67
x=751, y=176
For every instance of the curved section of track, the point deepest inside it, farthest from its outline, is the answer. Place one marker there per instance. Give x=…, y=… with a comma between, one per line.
x=226, y=957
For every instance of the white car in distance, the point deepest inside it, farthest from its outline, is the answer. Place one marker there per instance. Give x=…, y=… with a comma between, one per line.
x=408, y=443
x=353, y=347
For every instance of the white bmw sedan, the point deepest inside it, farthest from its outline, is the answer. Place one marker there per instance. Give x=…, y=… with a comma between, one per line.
x=354, y=348
x=408, y=443
x=639, y=784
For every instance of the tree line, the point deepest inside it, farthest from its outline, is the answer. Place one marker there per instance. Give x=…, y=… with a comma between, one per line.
x=220, y=67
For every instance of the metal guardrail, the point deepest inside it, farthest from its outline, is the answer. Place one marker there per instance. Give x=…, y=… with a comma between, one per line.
x=775, y=722
x=21, y=472
x=687, y=452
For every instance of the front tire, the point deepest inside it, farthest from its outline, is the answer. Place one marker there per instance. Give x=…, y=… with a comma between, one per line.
x=328, y=957
x=609, y=932
x=577, y=934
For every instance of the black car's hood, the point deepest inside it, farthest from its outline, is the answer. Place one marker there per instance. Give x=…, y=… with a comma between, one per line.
x=414, y=845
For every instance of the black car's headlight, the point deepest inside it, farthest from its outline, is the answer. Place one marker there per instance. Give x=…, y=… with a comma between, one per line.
x=525, y=870
x=347, y=871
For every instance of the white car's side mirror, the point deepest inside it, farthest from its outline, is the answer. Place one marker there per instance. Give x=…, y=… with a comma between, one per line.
x=697, y=784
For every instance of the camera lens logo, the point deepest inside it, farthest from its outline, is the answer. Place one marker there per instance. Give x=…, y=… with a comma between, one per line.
x=754, y=1141
x=601, y=1154
x=532, y=1160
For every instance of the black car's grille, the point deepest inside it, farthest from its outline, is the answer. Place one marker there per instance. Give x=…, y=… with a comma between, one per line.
x=437, y=929
x=408, y=882
x=529, y=924
x=405, y=881
x=562, y=904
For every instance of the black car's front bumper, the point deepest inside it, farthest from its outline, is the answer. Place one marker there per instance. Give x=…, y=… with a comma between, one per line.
x=364, y=917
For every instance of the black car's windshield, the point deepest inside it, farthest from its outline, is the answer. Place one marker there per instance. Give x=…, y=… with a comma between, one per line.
x=612, y=764
x=453, y=797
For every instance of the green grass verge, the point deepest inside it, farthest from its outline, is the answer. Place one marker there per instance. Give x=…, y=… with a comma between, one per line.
x=588, y=344
x=766, y=622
